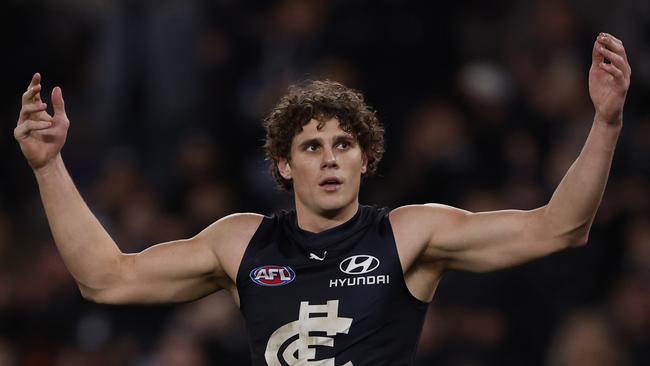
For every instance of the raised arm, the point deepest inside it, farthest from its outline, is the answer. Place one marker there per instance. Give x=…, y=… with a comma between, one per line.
x=170, y=272
x=457, y=239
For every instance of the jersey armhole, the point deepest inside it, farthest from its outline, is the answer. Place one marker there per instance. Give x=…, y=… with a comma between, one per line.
x=418, y=303
x=264, y=223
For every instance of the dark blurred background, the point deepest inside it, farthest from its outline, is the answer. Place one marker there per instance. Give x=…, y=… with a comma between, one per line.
x=485, y=105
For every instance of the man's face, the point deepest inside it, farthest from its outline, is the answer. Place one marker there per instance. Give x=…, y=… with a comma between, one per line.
x=326, y=167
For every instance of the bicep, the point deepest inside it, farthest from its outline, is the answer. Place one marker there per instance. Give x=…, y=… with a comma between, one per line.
x=181, y=270
x=175, y=271
x=487, y=241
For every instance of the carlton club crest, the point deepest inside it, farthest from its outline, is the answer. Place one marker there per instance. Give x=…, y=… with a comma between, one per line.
x=291, y=344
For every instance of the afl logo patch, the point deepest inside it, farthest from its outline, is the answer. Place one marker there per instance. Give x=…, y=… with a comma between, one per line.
x=272, y=275
x=359, y=264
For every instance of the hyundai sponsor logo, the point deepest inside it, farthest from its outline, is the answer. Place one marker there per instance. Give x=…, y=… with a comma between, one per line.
x=359, y=264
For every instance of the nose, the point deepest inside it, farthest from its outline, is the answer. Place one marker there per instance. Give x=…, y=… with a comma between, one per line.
x=329, y=159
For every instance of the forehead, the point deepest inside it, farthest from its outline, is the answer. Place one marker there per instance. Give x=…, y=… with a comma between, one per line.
x=321, y=129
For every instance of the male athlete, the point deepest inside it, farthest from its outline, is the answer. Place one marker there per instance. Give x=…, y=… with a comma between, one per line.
x=333, y=282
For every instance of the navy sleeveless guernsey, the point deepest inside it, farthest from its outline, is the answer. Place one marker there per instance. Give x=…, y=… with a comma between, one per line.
x=335, y=298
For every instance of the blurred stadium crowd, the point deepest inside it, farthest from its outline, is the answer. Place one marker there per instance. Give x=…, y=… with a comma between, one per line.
x=485, y=104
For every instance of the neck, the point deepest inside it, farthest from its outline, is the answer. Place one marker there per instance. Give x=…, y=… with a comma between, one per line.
x=315, y=222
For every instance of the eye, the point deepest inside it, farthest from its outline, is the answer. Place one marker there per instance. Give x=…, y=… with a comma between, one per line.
x=343, y=145
x=311, y=147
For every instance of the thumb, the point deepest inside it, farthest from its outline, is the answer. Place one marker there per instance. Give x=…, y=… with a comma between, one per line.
x=596, y=57
x=57, y=102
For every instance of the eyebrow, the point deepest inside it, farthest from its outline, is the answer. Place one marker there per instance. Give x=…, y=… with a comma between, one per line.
x=308, y=142
x=344, y=138
x=319, y=141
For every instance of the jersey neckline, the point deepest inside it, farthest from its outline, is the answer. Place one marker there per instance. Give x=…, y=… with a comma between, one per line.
x=331, y=239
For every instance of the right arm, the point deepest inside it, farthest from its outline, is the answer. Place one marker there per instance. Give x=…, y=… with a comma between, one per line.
x=176, y=271
x=170, y=272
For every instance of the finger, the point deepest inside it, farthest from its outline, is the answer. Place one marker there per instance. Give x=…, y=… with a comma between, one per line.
x=624, y=64
x=23, y=129
x=36, y=79
x=32, y=108
x=608, y=35
x=615, y=45
x=31, y=92
x=611, y=43
x=613, y=71
x=614, y=58
x=596, y=56
x=57, y=102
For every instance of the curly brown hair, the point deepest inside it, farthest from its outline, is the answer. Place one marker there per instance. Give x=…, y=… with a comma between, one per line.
x=321, y=100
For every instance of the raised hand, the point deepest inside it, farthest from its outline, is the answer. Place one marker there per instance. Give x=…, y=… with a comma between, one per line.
x=40, y=135
x=609, y=82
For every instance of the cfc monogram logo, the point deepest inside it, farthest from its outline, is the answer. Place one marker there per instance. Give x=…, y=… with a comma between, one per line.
x=300, y=351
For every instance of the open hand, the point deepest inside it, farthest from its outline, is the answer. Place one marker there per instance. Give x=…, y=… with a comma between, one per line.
x=40, y=135
x=609, y=82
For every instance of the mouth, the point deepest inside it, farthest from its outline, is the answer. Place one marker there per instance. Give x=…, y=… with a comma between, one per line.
x=330, y=184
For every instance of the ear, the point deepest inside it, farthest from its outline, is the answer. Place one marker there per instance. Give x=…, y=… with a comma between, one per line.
x=364, y=164
x=285, y=169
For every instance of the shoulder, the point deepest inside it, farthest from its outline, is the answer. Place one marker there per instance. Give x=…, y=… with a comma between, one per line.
x=415, y=228
x=240, y=220
x=230, y=234
x=232, y=227
x=228, y=238
x=426, y=216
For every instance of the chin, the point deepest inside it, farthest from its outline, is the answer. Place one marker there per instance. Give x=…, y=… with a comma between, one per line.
x=334, y=204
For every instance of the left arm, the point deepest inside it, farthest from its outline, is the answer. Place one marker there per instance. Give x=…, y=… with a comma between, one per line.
x=492, y=240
